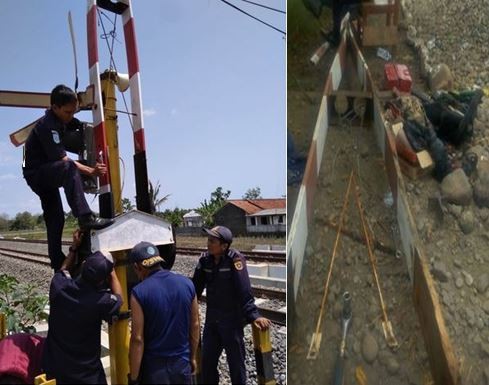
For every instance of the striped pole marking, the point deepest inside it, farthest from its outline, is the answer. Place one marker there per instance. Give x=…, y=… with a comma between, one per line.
x=298, y=233
x=140, y=165
x=105, y=198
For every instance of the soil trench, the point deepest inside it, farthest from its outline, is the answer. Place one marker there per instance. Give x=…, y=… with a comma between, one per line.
x=352, y=146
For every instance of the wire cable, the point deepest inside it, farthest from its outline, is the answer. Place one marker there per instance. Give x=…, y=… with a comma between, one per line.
x=253, y=17
x=112, y=61
x=264, y=6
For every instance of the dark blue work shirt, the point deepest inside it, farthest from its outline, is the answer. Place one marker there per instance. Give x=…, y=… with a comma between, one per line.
x=228, y=288
x=166, y=299
x=72, y=348
x=44, y=143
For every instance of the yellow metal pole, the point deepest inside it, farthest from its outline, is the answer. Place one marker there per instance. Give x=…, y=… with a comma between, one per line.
x=119, y=330
x=263, y=356
x=3, y=326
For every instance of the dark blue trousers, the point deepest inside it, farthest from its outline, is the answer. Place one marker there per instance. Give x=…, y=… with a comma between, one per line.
x=45, y=182
x=216, y=337
x=171, y=370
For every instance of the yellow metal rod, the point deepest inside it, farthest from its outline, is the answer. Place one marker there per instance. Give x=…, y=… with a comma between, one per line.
x=333, y=256
x=3, y=326
x=119, y=330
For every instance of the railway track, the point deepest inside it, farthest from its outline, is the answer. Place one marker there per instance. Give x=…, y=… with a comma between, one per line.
x=255, y=256
x=275, y=316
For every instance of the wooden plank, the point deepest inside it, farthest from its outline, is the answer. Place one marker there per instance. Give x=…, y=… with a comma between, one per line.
x=380, y=35
x=444, y=366
x=310, y=178
x=377, y=9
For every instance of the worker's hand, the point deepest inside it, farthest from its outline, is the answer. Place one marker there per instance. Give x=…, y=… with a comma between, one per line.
x=99, y=169
x=262, y=323
x=77, y=238
x=193, y=365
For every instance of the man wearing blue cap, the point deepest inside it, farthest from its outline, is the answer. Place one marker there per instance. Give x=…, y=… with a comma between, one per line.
x=230, y=305
x=165, y=322
x=77, y=307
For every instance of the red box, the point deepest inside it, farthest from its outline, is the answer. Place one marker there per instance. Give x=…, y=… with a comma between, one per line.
x=405, y=81
x=391, y=77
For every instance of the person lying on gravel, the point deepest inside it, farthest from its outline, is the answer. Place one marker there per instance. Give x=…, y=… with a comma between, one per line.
x=452, y=114
x=77, y=307
x=230, y=306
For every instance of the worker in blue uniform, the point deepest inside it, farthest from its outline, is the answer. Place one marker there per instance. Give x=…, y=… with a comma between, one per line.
x=230, y=306
x=165, y=328
x=46, y=168
x=77, y=307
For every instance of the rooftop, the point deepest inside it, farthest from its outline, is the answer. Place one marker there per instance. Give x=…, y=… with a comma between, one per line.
x=252, y=206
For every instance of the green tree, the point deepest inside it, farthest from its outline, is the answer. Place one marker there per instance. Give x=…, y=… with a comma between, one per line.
x=155, y=200
x=175, y=216
x=126, y=205
x=253, y=193
x=4, y=222
x=23, y=221
x=70, y=220
x=39, y=219
x=207, y=209
x=22, y=304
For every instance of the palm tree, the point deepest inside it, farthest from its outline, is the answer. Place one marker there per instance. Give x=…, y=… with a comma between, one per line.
x=155, y=200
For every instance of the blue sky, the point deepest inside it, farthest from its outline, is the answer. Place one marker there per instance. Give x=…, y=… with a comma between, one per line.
x=213, y=93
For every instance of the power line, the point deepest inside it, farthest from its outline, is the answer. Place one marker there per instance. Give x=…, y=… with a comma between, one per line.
x=264, y=6
x=253, y=17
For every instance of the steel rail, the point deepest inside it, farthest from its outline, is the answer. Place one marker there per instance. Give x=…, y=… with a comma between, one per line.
x=44, y=260
x=259, y=256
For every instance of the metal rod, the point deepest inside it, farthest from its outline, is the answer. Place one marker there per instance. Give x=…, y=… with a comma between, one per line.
x=331, y=263
x=386, y=325
x=369, y=247
x=121, y=112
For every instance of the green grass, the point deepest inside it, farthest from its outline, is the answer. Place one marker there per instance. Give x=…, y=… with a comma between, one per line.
x=300, y=22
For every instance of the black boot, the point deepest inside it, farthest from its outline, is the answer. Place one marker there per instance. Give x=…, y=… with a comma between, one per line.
x=90, y=221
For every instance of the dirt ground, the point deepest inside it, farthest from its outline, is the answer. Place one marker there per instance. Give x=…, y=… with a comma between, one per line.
x=346, y=148
x=366, y=345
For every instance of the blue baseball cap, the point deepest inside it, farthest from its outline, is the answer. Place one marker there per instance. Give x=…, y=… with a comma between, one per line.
x=146, y=253
x=220, y=232
x=96, y=267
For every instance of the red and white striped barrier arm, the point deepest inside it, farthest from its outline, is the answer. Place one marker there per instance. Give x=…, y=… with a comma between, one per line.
x=105, y=197
x=140, y=166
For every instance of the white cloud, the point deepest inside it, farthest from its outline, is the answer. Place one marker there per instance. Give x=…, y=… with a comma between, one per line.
x=149, y=112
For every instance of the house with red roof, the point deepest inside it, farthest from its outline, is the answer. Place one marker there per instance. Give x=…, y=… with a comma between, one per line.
x=253, y=216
